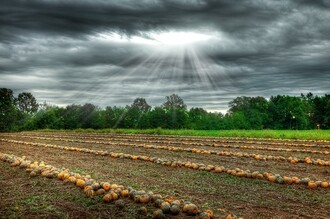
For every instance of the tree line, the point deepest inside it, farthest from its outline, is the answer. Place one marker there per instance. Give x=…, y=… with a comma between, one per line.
x=278, y=112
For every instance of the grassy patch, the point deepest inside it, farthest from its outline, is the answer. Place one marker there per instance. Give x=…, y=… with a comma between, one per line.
x=275, y=134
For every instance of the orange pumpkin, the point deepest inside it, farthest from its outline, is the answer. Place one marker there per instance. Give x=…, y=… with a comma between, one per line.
x=80, y=183
x=124, y=193
x=144, y=199
x=271, y=178
x=325, y=184
x=106, y=186
x=107, y=197
x=210, y=213
x=114, y=186
x=312, y=185
x=114, y=196
x=295, y=179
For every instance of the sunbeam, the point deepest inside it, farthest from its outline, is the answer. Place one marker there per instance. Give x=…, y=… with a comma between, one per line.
x=170, y=62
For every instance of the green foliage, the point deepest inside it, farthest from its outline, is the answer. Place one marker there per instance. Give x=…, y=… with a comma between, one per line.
x=174, y=102
x=257, y=113
x=8, y=110
x=27, y=103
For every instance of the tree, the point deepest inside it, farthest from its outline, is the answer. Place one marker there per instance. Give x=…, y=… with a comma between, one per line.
x=8, y=110
x=321, y=112
x=158, y=118
x=254, y=110
x=288, y=112
x=174, y=102
x=141, y=104
x=71, y=116
x=109, y=117
x=27, y=103
x=197, y=118
x=87, y=112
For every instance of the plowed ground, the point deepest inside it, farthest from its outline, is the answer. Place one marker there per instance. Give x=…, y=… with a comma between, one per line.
x=26, y=197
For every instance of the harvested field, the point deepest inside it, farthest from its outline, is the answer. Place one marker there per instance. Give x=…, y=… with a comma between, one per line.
x=227, y=175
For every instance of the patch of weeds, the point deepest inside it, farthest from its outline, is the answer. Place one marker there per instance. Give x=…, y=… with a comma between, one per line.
x=35, y=203
x=86, y=202
x=307, y=195
x=38, y=204
x=80, y=171
x=242, y=197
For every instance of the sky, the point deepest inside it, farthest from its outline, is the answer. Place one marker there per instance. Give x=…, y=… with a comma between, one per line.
x=109, y=52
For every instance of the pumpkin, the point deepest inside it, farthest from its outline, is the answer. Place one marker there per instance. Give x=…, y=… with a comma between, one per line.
x=312, y=185
x=86, y=188
x=80, y=183
x=158, y=203
x=271, y=178
x=295, y=179
x=124, y=193
x=33, y=174
x=158, y=214
x=255, y=174
x=305, y=181
x=260, y=176
x=166, y=209
x=100, y=192
x=218, y=169
x=210, y=213
x=90, y=193
x=15, y=163
x=66, y=175
x=120, y=203
x=155, y=197
x=106, y=186
x=176, y=202
x=204, y=215
x=135, y=157
x=318, y=183
x=96, y=186
x=114, y=186
x=169, y=199
x=325, y=184
x=107, y=197
x=287, y=180
x=143, y=211
x=144, y=199
x=72, y=179
x=114, y=196
x=190, y=209
x=175, y=210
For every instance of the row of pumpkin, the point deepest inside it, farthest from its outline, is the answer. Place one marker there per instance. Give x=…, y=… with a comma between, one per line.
x=112, y=192
x=292, y=160
x=271, y=177
x=315, y=151
x=192, y=141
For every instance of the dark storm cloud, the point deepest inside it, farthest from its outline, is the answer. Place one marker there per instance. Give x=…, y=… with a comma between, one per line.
x=130, y=17
x=59, y=50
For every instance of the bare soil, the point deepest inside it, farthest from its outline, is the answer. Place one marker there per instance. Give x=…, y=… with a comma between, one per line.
x=249, y=198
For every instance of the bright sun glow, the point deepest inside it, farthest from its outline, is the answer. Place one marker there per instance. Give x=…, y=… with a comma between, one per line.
x=177, y=38
x=164, y=38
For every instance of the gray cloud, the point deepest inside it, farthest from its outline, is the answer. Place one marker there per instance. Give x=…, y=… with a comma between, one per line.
x=81, y=51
